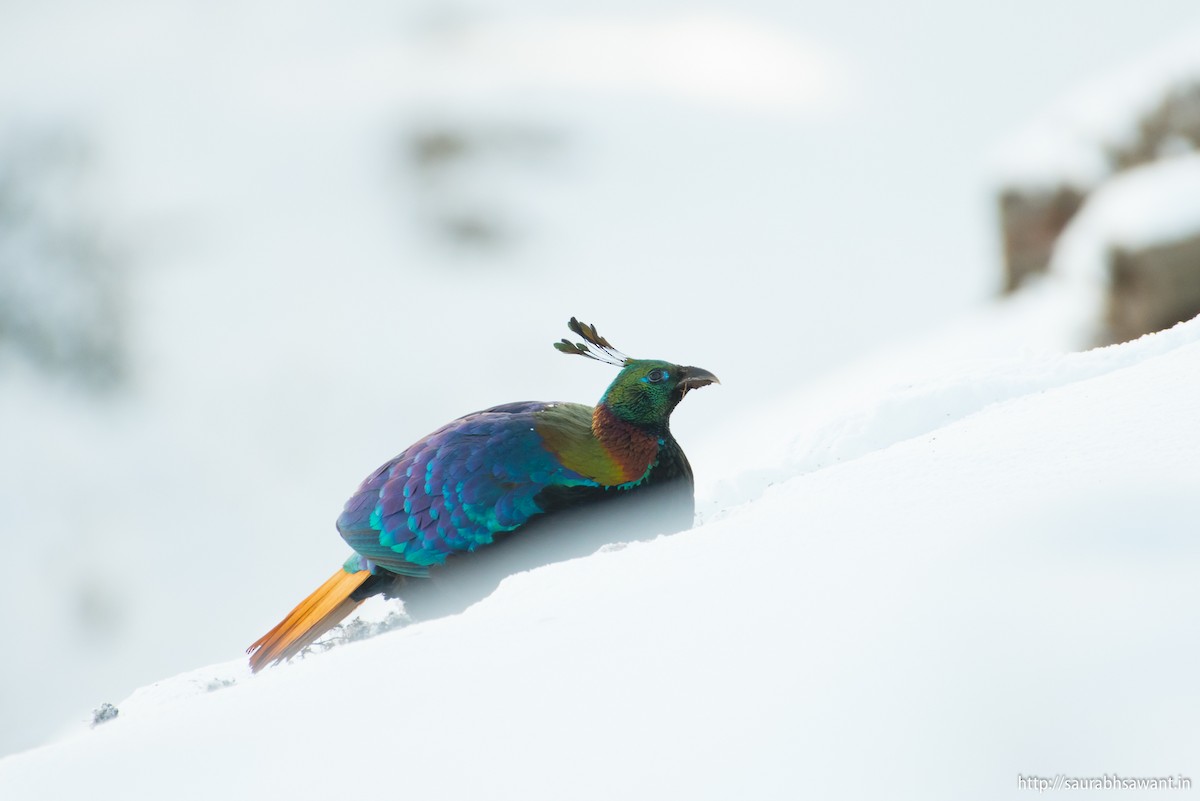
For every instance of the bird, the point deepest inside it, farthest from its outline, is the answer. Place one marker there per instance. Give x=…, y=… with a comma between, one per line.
x=498, y=476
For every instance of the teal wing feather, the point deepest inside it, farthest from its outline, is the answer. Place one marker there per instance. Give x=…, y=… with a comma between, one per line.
x=455, y=490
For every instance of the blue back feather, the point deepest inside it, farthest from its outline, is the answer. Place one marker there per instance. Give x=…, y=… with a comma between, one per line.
x=453, y=491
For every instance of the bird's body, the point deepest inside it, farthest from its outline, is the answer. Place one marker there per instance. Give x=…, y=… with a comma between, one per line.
x=489, y=474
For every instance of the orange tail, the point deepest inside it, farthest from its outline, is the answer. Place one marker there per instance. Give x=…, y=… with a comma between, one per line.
x=315, y=615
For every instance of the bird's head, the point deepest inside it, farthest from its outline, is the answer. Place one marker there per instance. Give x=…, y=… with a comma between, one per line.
x=646, y=391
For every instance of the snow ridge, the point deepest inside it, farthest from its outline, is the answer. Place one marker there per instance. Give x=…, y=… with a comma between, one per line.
x=918, y=410
x=1020, y=593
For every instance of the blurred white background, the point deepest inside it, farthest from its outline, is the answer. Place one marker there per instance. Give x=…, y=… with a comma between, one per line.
x=248, y=251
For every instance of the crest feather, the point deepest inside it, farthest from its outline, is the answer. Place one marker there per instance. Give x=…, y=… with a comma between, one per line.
x=593, y=346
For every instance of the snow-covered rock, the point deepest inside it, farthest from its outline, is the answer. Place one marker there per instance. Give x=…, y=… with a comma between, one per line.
x=1083, y=138
x=1133, y=251
x=1146, y=111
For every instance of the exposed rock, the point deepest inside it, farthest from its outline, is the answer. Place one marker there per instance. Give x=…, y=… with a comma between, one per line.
x=1031, y=220
x=1152, y=288
x=104, y=713
x=1170, y=128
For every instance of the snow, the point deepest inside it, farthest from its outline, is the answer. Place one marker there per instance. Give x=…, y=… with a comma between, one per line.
x=1055, y=151
x=290, y=326
x=718, y=59
x=1071, y=141
x=249, y=167
x=1155, y=204
x=985, y=573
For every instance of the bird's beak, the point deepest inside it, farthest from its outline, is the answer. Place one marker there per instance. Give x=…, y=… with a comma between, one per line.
x=695, y=377
x=691, y=378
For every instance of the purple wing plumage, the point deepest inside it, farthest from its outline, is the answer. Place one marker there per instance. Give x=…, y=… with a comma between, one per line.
x=454, y=491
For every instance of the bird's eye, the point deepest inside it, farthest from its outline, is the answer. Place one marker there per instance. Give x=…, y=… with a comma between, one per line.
x=656, y=375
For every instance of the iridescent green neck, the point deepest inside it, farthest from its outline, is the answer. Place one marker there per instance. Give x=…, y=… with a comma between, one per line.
x=631, y=399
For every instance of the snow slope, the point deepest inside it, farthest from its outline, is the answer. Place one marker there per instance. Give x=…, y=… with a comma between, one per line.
x=985, y=574
x=793, y=171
